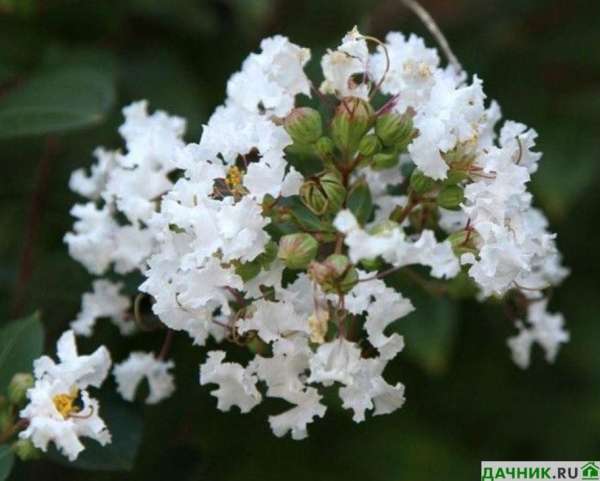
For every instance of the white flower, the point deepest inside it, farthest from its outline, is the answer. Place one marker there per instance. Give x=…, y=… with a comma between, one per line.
x=335, y=361
x=237, y=387
x=307, y=406
x=544, y=328
x=142, y=365
x=340, y=66
x=53, y=410
x=104, y=301
x=269, y=81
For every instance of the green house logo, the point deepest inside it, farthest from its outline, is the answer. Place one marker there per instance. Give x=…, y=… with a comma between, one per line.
x=590, y=471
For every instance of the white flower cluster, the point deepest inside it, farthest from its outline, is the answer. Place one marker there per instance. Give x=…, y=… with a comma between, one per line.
x=238, y=241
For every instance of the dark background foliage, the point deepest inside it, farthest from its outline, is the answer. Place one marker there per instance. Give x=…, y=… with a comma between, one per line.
x=466, y=400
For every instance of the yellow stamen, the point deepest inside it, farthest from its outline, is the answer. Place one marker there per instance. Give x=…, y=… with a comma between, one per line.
x=234, y=177
x=64, y=403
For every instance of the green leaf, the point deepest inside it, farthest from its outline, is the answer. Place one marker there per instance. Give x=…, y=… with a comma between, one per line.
x=57, y=101
x=21, y=342
x=302, y=215
x=7, y=459
x=125, y=426
x=360, y=201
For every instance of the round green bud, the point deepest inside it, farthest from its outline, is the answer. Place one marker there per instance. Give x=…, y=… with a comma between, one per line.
x=313, y=197
x=325, y=148
x=25, y=450
x=371, y=264
x=297, y=250
x=383, y=161
x=335, y=275
x=420, y=183
x=18, y=386
x=456, y=177
x=369, y=145
x=351, y=121
x=464, y=241
x=332, y=185
x=394, y=130
x=450, y=197
x=383, y=228
x=304, y=125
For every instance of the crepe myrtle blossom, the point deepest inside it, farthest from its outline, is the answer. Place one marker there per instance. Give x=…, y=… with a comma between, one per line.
x=277, y=230
x=60, y=409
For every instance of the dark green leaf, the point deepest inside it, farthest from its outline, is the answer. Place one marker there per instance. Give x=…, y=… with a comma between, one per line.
x=7, y=459
x=21, y=342
x=360, y=201
x=57, y=101
x=125, y=426
x=302, y=215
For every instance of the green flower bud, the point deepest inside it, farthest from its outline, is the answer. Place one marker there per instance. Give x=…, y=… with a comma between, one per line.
x=297, y=250
x=335, y=275
x=371, y=265
x=456, y=177
x=450, y=197
x=332, y=185
x=420, y=183
x=323, y=193
x=384, y=160
x=395, y=130
x=25, y=450
x=464, y=241
x=18, y=386
x=369, y=145
x=325, y=148
x=351, y=121
x=313, y=197
x=383, y=228
x=304, y=125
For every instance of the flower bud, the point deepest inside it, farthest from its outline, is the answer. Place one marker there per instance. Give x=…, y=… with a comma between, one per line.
x=394, y=130
x=323, y=193
x=385, y=160
x=335, y=275
x=464, y=241
x=304, y=125
x=351, y=121
x=420, y=183
x=325, y=148
x=332, y=185
x=313, y=197
x=455, y=177
x=369, y=145
x=297, y=250
x=450, y=197
x=371, y=265
x=383, y=228
x=25, y=450
x=18, y=386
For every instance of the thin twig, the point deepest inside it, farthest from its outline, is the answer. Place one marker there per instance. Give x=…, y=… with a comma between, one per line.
x=166, y=347
x=34, y=219
x=428, y=21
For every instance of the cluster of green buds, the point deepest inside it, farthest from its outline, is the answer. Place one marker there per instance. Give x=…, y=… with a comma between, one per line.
x=16, y=396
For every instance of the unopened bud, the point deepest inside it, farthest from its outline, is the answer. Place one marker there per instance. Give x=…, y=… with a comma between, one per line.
x=323, y=193
x=304, y=125
x=25, y=450
x=297, y=250
x=325, y=148
x=383, y=228
x=395, y=130
x=455, y=177
x=420, y=183
x=369, y=145
x=383, y=160
x=450, y=197
x=464, y=241
x=335, y=275
x=353, y=118
x=18, y=386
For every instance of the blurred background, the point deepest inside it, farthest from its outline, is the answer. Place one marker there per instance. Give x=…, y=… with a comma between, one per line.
x=466, y=400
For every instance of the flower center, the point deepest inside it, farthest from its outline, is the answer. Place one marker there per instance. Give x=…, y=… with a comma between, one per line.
x=234, y=177
x=64, y=403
